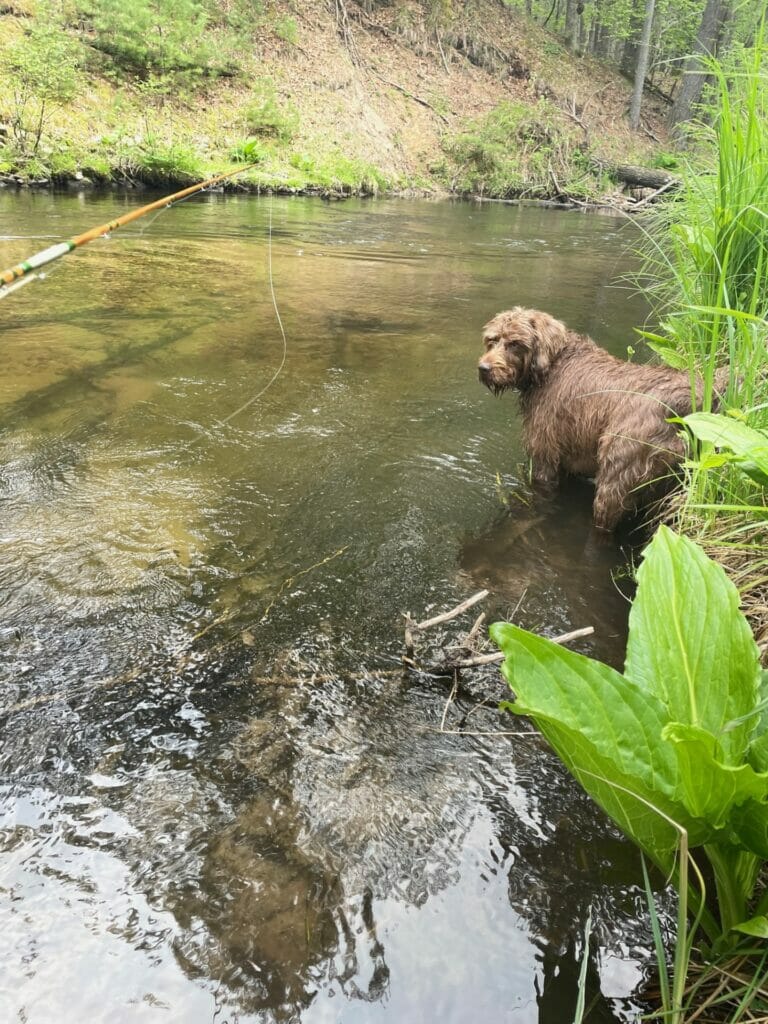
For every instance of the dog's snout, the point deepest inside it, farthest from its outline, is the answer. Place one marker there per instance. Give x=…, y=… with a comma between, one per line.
x=484, y=367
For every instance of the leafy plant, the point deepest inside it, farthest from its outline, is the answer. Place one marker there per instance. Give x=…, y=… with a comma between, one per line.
x=249, y=151
x=267, y=115
x=679, y=741
x=43, y=68
x=164, y=37
x=745, y=447
x=516, y=149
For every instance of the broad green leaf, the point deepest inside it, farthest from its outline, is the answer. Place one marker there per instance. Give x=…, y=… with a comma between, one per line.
x=669, y=355
x=710, y=460
x=757, y=926
x=608, y=733
x=749, y=825
x=758, y=748
x=749, y=446
x=711, y=789
x=665, y=348
x=689, y=644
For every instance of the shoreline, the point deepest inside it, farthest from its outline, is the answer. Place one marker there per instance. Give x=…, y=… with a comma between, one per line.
x=78, y=183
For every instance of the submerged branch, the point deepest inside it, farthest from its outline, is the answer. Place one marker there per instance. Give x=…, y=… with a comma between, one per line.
x=497, y=656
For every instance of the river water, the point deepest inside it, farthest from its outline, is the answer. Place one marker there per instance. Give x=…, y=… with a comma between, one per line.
x=220, y=797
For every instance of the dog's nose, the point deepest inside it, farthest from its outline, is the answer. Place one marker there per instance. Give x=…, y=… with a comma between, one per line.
x=484, y=367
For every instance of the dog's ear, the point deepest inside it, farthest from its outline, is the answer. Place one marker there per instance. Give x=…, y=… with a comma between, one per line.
x=550, y=337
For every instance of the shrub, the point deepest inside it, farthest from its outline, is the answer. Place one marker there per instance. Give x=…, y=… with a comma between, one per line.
x=267, y=115
x=161, y=36
x=158, y=162
x=43, y=68
x=285, y=28
x=515, y=150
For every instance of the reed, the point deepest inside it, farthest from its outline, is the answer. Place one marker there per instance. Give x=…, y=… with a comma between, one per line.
x=706, y=271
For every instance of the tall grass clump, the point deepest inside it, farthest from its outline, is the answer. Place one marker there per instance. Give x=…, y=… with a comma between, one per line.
x=706, y=270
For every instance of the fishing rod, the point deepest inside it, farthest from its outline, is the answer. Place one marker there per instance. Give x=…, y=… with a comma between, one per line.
x=24, y=272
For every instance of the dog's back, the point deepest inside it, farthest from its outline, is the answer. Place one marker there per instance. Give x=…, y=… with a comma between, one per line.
x=588, y=413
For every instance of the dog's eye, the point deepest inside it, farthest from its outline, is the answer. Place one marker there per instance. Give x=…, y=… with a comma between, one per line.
x=490, y=340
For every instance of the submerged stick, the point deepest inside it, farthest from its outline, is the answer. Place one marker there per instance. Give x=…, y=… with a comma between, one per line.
x=9, y=279
x=447, y=616
x=412, y=628
x=490, y=659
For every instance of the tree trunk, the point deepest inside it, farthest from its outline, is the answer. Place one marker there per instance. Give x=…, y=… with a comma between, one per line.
x=584, y=34
x=603, y=42
x=643, y=52
x=629, y=53
x=641, y=177
x=694, y=75
x=572, y=24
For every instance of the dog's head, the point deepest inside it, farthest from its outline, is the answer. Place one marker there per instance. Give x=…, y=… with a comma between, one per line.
x=520, y=346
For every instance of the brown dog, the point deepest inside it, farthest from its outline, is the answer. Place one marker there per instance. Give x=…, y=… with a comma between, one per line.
x=586, y=412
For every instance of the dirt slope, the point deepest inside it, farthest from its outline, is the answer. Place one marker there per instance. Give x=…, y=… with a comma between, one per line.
x=371, y=96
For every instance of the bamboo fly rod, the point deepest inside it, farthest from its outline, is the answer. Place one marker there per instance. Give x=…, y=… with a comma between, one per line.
x=25, y=271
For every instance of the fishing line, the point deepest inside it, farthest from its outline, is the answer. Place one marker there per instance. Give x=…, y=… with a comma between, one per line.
x=29, y=270
x=279, y=370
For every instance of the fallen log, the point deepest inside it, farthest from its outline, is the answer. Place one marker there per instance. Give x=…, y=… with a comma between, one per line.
x=642, y=177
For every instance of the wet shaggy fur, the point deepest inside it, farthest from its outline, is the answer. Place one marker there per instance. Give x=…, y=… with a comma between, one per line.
x=586, y=412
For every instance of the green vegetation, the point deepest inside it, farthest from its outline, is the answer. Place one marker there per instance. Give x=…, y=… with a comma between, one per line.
x=143, y=73
x=285, y=28
x=340, y=173
x=167, y=38
x=675, y=749
x=520, y=150
x=42, y=67
x=266, y=115
x=156, y=91
x=706, y=271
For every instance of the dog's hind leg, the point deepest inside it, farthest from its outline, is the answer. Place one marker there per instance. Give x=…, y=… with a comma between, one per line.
x=608, y=508
x=632, y=473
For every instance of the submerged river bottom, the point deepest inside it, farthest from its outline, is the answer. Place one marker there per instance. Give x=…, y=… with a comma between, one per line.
x=221, y=797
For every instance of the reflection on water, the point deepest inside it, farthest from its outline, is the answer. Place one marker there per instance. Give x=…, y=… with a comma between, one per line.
x=221, y=798
x=557, y=578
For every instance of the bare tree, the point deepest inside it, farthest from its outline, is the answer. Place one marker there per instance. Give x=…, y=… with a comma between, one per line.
x=641, y=68
x=713, y=21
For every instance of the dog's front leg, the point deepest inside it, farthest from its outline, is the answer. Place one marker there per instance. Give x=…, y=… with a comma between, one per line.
x=543, y=472
x=607, y=511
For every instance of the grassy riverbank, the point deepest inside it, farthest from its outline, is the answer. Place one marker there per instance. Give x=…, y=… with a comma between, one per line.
x=367, y=105
x=707, y=260
x=706, y=269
